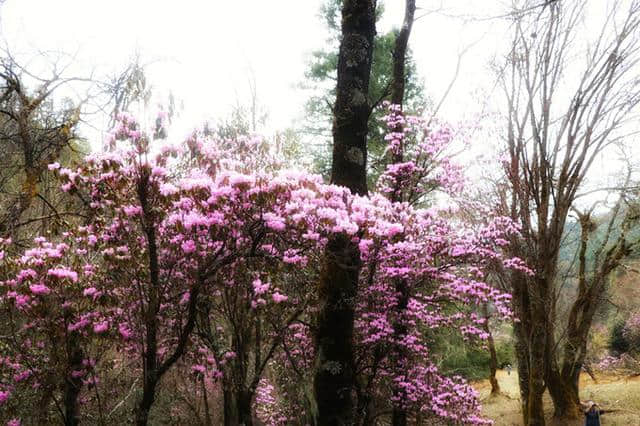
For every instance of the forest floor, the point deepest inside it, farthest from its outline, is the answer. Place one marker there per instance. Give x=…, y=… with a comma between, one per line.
x=619, y=393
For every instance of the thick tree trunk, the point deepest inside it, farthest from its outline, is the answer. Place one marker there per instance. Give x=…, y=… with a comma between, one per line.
x=564, y=394
x=351, y=110
x=493, y=356
x=522, y=358
x=243, y=402
x=148, y=398
x=535, y=407
x=521, y=331
x=334, y=376
x=230, y=411
x=531, y=342
x=564, y=384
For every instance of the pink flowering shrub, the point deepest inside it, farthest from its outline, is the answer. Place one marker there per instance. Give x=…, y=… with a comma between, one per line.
x=57, y=331
x=209, y=254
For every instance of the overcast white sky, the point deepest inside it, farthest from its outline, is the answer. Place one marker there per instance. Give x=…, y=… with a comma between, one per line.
x=207, y=49
x=204, y=51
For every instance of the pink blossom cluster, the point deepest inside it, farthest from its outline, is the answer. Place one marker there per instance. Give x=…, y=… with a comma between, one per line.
x=420, y=164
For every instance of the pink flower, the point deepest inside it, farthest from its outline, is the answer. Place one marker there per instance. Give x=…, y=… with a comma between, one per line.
x=19, y=377
x=100, y=327
x=39, y=289
x=188, y=246
x=4, y=395
x=278, y=298
x=259, y=287
x=132, y=210
x=63, y=273
x=124, y=331
x=199, y=368
x=22, y=300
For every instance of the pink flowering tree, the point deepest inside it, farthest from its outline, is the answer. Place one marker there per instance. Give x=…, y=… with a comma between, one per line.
x=423, y=268
x=56, y=327
x=163, y=240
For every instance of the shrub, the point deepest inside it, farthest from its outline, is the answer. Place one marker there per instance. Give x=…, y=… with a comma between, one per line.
x=618, y=343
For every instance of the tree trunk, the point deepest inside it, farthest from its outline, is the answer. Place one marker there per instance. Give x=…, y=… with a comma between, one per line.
x=523, y=369
x=237, y=407
x=150, y=355
x=564, y=394
x=243, y=402
x=72, y=385
x=334, y=375
x=230, y=409
x=399, y=413
x=400, y=54
x=148, y=397
x=535, y=407
x=205, y=400
x=521, y=331
x=493, y=356
x=539, y=329
x=351, y=110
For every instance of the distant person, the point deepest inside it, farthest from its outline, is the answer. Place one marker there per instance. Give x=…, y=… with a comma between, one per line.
x=508, y=369
x=593, y=413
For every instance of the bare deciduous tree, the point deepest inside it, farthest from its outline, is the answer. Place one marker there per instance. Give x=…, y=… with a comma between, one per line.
x=34, y=131
x=563, y=112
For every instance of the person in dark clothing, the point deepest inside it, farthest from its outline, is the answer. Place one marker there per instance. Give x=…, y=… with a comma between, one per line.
x=592, y=415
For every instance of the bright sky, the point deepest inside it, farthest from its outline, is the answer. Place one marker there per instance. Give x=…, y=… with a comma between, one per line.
x=205, y=51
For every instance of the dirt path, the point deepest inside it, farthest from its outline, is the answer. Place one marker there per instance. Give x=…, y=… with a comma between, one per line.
x=609, y=391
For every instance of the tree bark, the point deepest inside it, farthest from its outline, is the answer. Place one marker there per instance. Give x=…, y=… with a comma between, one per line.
x=400, y=54
x=351, y=110
x=237, y=407
x=153, y=370
x=334, y=375
x=150, y=356
x=243, y=402
x=493, y=356
x=334, y=379
x=72, y=385
x=230, y=409
x=399, y=412
x=205, y=401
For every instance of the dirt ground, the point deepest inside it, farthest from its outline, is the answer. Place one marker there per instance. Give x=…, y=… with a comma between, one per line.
x=610, y=392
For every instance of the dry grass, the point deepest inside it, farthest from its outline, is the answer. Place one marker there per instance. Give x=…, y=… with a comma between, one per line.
x=610, y=392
